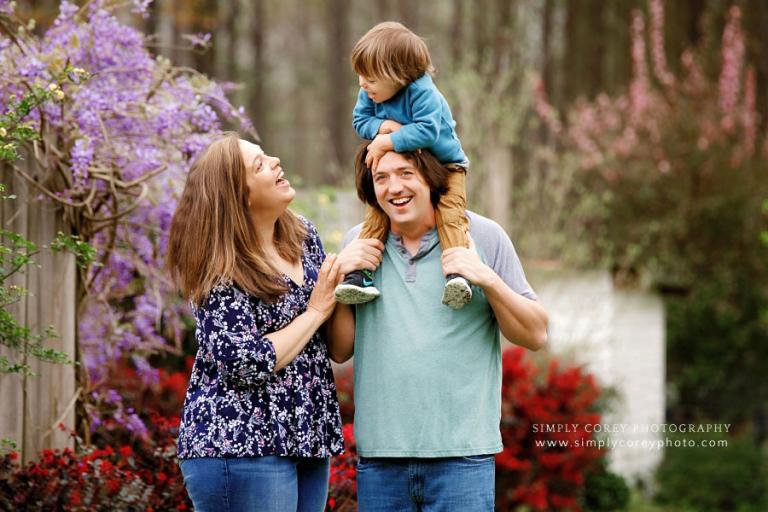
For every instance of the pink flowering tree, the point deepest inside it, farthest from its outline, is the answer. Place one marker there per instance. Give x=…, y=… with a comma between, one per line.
x=669, y=189
x=673, y=166
x=112, y=147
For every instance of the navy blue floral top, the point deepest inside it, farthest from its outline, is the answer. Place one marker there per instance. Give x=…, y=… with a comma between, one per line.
x=236, y=405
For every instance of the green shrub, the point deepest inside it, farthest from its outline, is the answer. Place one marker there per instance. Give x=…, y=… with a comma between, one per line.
x=713, y=478
x=717, y=345
x=605, y=491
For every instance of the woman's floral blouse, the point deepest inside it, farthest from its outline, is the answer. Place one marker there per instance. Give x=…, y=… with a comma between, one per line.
x=236, y=405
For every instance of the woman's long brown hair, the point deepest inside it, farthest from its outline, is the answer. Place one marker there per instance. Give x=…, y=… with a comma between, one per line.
x=212, y=236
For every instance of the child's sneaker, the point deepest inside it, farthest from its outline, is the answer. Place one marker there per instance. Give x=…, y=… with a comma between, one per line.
x=357, y=288
x=457, y=292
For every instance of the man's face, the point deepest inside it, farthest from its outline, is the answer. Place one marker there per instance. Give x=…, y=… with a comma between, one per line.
x=402, y=192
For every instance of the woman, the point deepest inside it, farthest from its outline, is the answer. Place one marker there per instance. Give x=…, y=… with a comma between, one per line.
x=261, y=419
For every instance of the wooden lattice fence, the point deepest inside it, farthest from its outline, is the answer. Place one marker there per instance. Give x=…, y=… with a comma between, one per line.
x=31, y=407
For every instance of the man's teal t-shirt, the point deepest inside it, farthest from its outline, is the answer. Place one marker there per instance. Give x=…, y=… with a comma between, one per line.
x=428, y=378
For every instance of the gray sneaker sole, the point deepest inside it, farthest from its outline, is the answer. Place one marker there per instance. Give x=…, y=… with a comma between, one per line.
x=457, y=293
x=349, y=294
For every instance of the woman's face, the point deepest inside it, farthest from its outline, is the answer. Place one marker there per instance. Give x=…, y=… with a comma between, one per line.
x=267, y=188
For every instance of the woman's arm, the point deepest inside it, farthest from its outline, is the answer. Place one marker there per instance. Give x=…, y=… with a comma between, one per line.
x=240, y=352
x=227, y=338
x=360, y=253
x=290, y=340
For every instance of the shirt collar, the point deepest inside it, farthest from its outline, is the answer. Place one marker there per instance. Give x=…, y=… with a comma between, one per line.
x=428, y=242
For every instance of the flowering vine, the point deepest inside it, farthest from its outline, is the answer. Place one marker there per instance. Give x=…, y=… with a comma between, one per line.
x=111, y=152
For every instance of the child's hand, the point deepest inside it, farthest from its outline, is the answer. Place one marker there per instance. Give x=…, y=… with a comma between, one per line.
x=377, y=149
x=389, y=126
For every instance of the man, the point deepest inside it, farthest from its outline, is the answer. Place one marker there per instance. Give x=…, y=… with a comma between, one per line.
x=428, y=378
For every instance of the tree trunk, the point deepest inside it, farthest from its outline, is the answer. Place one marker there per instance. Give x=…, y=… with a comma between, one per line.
x=480, y=33
x=204, y=22
x=223, y=40
x=457, y=33
x=502, y=45
x=408, y=12
x=166, y=29
x=258, y=73
x=339, y=76
x=383, y=10
x=498, y=183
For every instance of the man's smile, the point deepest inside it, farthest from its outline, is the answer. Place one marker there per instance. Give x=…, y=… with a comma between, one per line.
x=400, y=201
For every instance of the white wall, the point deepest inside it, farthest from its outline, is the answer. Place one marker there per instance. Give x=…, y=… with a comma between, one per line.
x=619, y=336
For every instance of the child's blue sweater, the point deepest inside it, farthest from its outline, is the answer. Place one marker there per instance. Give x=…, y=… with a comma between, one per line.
x=425, y=116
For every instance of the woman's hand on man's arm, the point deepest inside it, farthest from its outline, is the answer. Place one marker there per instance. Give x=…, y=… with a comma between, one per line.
x=291, y=339
x=361, y=253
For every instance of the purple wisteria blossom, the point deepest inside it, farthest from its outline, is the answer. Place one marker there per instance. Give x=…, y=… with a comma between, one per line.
x=6, y=7
x=82, y=156
x=201, y=40
x=140, y=7
x=134, y=119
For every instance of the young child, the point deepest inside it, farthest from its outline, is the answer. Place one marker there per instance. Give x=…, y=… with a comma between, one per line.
x=399, y=108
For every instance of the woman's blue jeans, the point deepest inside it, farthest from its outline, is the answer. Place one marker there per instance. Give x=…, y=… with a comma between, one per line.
x=269, y=484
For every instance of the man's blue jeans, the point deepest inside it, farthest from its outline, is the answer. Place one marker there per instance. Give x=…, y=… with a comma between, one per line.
x=269, y=484
x=430, y=485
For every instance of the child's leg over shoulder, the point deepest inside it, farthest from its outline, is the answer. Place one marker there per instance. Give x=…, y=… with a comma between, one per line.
x=451, y=218
x=375, y=224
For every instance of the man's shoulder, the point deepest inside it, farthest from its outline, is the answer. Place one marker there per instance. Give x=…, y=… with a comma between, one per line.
x=483, y=228
x=489, y=237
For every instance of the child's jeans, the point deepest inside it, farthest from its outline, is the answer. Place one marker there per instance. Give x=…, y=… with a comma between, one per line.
x=450, y=216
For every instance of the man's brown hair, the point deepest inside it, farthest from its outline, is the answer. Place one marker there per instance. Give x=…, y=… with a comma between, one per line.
x=434, y=173
x=213, y=238
x=390, y=51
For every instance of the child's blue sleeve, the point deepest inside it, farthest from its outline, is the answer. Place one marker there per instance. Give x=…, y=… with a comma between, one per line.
x=424, y=129
x=364, y=118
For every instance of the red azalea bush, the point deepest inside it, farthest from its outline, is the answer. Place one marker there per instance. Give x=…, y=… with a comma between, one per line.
x=124, y=465
x=140, y=472
x=529, y=471
x=140, y=476
x=342, y=486
x=162, y=392
x=544, y=470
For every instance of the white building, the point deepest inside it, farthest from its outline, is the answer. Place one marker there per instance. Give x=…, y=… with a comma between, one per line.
x=618, y=335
